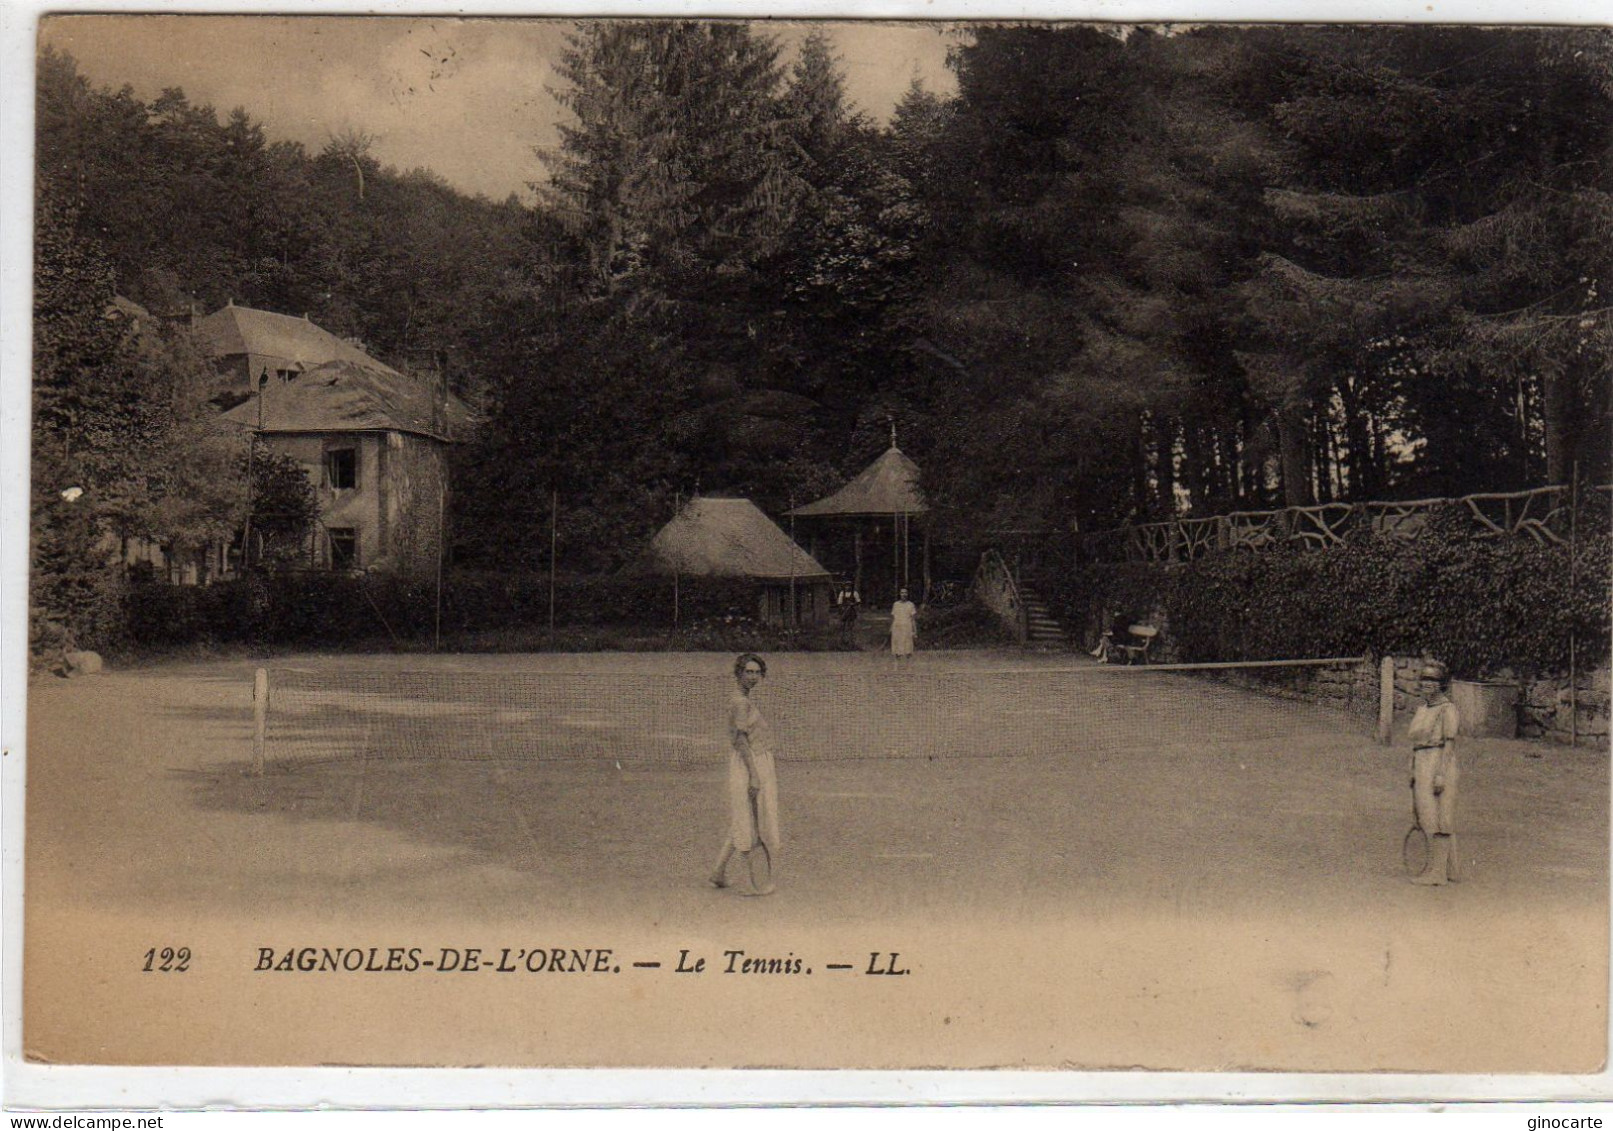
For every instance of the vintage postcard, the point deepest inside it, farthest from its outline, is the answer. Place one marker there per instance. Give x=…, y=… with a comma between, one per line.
x=819, y=544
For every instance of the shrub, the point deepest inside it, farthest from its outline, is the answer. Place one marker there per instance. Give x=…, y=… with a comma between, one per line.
x=480, y=601
x=968, y=624
x=76, y=586
x=304, y=609
x=161, y=615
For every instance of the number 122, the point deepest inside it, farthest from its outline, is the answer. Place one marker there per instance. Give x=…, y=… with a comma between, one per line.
x=168, y=960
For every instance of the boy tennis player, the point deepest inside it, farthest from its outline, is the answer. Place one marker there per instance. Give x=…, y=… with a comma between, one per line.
x=1434, y=774
x=752, y=782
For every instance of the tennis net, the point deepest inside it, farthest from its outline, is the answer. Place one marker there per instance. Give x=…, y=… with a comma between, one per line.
x=679, y=718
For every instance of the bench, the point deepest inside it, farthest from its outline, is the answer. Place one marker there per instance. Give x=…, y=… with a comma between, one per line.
x=1134, y=649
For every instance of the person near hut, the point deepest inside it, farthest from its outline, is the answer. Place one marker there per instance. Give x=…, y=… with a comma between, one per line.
x=904, y=626
x=1434, y=774
x=752, y=779
x=848, y=600
x=1111, y=641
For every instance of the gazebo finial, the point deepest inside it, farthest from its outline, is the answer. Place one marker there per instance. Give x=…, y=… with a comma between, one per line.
x=891, y=420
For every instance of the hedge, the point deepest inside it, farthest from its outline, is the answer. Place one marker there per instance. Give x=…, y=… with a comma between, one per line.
x=76, y=592
x=1480, y=604
x=315, y=609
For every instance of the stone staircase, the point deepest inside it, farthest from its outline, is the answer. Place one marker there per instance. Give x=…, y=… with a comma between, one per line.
x=1043, y=628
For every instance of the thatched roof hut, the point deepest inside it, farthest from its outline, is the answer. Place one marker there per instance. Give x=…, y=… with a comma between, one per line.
x=732, y=538
x=729, y=538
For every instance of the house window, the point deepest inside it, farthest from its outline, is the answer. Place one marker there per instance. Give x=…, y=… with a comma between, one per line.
x=343, y=548
x=341, y=468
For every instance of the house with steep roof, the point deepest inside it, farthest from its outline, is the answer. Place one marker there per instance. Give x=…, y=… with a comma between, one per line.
x=250, y=343
x=373, y=441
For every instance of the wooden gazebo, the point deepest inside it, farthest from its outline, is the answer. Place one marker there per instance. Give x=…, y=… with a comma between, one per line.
x=879, y=504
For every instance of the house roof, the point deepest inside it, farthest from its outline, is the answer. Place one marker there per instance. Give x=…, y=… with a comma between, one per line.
x=121, y=307
x=889, y=485
x=729, y=538
x=284, y=342
x=341, y=396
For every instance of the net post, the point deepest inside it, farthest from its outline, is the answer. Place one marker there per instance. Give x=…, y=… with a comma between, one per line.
x=1386, y=701
x=260, y=718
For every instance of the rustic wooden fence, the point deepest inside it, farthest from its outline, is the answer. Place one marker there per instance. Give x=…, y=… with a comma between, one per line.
x=1545, y=514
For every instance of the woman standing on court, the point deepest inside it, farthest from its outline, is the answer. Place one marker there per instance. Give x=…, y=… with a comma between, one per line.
x=904, y=626
x=1434, y=774
x=752, y=782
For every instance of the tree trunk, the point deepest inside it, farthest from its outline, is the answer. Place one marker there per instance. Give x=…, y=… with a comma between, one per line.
x=1226, y=443
x=1292, y=425
x=1322, y=459
x=1196, y=470
x=1335, y=466
x=1165, y=464
x=1558, y=416
x=1362, y=480
x=1375, y=457
x=1251, y=471
x=1525, y=411
x=1139, y=469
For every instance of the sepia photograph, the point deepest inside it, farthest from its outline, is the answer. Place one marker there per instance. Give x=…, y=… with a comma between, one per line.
x=691, y=543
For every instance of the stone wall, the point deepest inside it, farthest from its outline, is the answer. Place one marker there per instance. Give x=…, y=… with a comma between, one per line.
x=1408, y=683
x=1344, y=687
x=1545, y=707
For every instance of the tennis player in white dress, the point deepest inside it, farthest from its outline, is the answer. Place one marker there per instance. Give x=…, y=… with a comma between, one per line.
x=752, y=779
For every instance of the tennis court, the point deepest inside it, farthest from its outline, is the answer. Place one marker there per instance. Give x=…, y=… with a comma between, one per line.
x=1087, y=869
x=823, y=708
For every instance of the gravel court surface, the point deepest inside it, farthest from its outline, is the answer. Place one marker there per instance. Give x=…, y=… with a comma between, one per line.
x=1268, y=871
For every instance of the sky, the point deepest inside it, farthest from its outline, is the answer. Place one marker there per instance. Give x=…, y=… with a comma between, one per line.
x=466, y=98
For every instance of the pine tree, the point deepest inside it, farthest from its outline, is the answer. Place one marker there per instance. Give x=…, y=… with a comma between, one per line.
x=815, y=100
x=1434, y=244
x=919, y=120
x=677, y=162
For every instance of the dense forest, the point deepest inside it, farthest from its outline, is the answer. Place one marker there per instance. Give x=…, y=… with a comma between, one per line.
x=1118, y=275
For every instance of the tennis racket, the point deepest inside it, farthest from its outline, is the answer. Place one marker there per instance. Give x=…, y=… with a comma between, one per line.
x=758, y=858
x=1414, y=850
x=761, y=869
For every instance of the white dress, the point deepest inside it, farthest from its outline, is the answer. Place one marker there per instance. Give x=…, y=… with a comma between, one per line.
x=746, y=825
x=903, y=617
